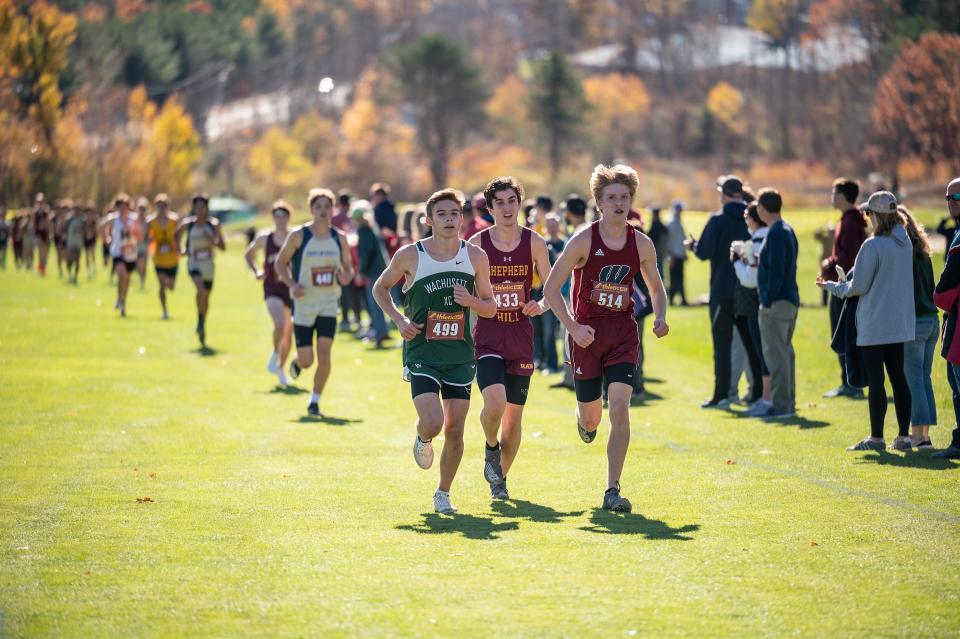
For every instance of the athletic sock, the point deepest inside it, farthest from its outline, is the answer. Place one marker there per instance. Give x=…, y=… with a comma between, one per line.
x=274, y=360
x=314, y=398
x=489, y=447
x=422, y=440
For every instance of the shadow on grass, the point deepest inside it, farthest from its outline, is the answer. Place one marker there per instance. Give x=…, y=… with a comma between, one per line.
x=908, y=460
x=609, y=523
x=518, y=508
x=285, y=390
x=470, y=526
x=799, y=422
x=646, y=398
x=326, y=419
x=205, y=351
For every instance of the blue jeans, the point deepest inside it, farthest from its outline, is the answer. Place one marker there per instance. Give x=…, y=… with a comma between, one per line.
x=918, y=365
x=377, y=319
x=548, y=341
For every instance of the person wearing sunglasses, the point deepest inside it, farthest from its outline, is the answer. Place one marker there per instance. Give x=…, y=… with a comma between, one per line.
x=276, y=294
x=945, y=295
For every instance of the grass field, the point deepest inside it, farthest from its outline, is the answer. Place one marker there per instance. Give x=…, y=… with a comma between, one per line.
x=264, y=523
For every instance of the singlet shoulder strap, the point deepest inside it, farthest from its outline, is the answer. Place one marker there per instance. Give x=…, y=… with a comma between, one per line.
x=307, y=234
x=420, y=246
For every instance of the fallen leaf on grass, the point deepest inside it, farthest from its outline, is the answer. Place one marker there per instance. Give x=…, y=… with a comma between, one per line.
x=143, y=500
x=730, y=461
x=813, y=543
x=152, y=475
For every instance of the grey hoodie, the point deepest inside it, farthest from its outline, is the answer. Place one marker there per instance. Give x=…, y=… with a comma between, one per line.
x=882, y=278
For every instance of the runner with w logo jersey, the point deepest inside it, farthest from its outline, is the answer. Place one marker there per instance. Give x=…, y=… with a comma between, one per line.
x=602, y=341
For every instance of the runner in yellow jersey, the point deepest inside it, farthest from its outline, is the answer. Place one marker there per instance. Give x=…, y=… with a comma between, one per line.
x=162, y=234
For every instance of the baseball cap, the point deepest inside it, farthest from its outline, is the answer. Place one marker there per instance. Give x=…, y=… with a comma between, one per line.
x=882, y=203
x=281, y=204
x=359, y=208
x=479, y=202
x=730, y=185
x=201, y=196
x=161, y=197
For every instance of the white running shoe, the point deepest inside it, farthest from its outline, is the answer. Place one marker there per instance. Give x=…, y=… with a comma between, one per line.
x=273, y=364
x=423, y=453
x=441, y=503
x=282, y=378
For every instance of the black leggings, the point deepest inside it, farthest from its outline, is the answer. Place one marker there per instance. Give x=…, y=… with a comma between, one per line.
x=874, y=359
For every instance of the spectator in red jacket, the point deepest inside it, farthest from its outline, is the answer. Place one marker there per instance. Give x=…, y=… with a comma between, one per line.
x=850, y=234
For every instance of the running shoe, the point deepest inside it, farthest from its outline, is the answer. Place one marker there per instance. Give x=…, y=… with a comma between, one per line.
x=294, y=369
x=498, y=490
x=282, y=378
x=719, y=404
x=952, y=452
x=273, y=364
x=772, y=414
x=586, y=435
x=423, y=453
x=760, y=407
x=166, y=316
x=313, y=409
x=614, y=502
x=869, y=444
x=441, y=503
x=925, y=445
x=492, y=471
x=902, y=443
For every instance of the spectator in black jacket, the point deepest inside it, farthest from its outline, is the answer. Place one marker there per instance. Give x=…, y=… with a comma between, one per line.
x=372, y=262
x=384, y=213
x=723, y=228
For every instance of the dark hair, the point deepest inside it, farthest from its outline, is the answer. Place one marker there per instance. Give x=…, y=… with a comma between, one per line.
x=754, y=215
x=576, y=205
x=343, y=198
x=502, y=183
x=545, y=202
x=380, y=188
x=748, y=194
x=769, y=198
x=848, y=188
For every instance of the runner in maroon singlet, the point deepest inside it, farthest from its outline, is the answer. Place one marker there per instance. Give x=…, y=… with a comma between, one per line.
x=275, y=293
x=503, y=344
x=604, y=258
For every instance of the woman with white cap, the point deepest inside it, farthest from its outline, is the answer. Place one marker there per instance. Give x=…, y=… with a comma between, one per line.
x=882, y=278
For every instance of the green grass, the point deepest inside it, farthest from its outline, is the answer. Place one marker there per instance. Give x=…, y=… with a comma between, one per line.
x=266, y=524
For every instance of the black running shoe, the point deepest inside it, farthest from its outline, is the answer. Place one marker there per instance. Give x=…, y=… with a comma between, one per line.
x=294, y=369
x=313, y=410
x=498, y=490
x=586, y=435
x=612, y=501
x=492, y=471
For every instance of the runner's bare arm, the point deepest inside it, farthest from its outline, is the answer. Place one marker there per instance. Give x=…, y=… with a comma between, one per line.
x=541, y=264
x=250, y=254
x=282, y=264
x=219, y=243
x=345, y=273
x=403, y=264
x=658, y=296
x=179, y=234
x=574, y=254
x=482, y=303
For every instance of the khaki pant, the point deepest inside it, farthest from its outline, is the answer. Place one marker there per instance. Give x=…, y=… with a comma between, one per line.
x=776, y=332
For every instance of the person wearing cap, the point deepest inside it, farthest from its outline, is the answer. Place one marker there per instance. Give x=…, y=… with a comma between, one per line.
x=886, y=316
x=658, y=235
x=372, y=259
x=722, y=229
x=384, y=212
x=676, y=254
x=472, y=222
x=204, y=234
x=122, y=232
x=314, y=262
x=945, y=296
x=779, y=302
x=276, y=294
x=848, y=237
x=162, y=238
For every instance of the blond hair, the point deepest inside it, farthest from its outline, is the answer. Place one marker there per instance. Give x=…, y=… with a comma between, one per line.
x=603, y=176
x=886, y=222
x=916, y=232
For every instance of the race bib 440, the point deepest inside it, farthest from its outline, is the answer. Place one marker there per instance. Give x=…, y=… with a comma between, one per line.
x=322, y=276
